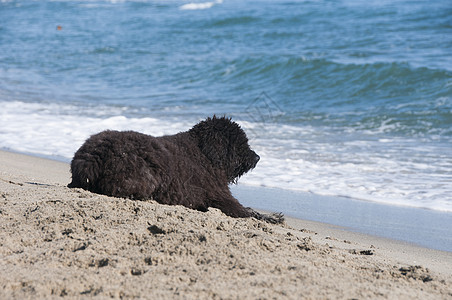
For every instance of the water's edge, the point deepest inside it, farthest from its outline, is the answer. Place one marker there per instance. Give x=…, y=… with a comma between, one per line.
x=422, y=227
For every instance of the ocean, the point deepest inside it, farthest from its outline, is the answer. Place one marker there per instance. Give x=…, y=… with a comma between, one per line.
x=339, y=98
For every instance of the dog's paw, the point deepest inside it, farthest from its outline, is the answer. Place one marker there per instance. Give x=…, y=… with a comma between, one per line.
x=274, y=218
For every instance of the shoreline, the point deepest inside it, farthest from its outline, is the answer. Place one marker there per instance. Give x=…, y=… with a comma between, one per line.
x=421, y=227
x=58, y=241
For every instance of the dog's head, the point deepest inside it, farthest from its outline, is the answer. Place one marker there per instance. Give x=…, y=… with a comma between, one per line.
x=225, y=144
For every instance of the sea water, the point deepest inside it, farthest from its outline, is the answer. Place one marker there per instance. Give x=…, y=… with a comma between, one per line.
x=339, y=98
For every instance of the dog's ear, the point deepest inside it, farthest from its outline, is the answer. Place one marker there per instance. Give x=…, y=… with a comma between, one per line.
x=211, y=136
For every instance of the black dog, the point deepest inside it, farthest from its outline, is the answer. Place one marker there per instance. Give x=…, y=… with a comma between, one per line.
x=190, y=168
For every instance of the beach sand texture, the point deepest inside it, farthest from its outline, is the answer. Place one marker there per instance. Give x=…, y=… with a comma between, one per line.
x=56, y=241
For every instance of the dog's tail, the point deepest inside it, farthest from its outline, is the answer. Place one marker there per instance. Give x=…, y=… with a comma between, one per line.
x=85, y=173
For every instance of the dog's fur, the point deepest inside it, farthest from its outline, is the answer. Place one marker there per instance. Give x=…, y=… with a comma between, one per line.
x=191, y=168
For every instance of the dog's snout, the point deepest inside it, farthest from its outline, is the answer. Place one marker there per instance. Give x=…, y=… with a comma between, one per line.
x=256, y=158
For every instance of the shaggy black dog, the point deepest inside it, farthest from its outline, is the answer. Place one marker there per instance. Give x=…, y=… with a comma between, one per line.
x=191, y=168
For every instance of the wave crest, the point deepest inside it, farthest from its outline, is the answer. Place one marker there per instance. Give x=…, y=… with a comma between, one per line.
x=199, y=5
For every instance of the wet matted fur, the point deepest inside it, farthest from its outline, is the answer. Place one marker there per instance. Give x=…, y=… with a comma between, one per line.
x=192, y=168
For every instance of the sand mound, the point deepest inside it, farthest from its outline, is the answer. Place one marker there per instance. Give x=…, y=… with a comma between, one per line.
x=56, y=241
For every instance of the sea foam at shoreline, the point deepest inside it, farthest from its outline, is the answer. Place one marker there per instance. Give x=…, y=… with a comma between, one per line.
x=293, y=158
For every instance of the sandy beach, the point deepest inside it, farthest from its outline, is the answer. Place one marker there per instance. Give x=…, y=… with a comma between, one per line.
x=60, y=242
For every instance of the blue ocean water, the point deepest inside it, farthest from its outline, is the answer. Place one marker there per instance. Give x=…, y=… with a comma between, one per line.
x=340, y=98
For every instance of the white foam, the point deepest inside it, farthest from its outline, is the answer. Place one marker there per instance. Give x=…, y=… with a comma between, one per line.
x=323, y=161
x=391, y=171
x=199, y=5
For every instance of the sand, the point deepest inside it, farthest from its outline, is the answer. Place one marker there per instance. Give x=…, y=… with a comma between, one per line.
x=60, y=242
